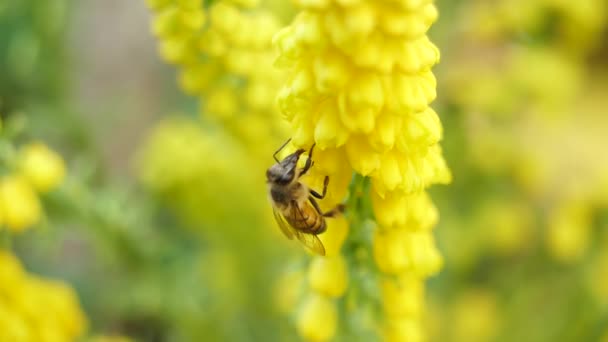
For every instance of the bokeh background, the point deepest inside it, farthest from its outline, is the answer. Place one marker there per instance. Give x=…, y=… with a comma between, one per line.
x=159, y=228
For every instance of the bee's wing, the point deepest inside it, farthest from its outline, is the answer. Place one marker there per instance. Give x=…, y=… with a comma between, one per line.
x=283, y=224
x=311, y=242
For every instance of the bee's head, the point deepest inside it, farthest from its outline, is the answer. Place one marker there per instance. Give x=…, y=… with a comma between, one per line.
x=284, y=172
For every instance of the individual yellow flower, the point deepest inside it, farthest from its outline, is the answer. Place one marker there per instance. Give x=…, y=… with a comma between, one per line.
x=41, y=166
x=317, y=318
x=402, y=295
x=328, y=275
x=19, y=203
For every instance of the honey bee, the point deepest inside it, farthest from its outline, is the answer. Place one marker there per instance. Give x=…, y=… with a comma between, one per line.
x=294, y=206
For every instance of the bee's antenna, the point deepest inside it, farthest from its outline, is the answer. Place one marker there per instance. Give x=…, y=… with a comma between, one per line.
x=279, y=150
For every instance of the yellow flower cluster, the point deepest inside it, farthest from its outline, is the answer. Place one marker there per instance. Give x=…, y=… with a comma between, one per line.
x=36, y=309
x=359, y=87
x=225, y=58
x=39, y=169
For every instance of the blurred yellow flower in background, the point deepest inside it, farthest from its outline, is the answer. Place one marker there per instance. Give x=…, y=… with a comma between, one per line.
x=317, y=318
x=41, y=166
x=19, y=202
x=36, y=309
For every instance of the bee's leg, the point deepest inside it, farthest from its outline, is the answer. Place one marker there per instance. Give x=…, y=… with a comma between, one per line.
x=309, y=162
x=316, y=194
x=339, y=209
x=315, y=204
x=279, y=150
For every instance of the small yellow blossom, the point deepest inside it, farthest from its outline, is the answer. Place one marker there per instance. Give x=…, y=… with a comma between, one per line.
x=41, y=166
x=403, y=295
x=328, y=275
x=19, y=203
x=317, y=318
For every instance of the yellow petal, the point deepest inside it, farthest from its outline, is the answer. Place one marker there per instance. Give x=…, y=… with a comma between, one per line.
x=361, y=155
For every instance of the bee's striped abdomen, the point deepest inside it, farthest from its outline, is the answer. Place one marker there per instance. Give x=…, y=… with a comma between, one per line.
x=305, y=218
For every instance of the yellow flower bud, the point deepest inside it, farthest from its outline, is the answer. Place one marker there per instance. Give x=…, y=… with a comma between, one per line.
x=331, y=72
x=412, y=92
x=41, y=166
x=402, y=295
x=391, y=210
x=317, y=319
x=328, y=275
x=424, y=257
x=417, y=55
x=330, y=132
x=19, y=203
x=384, y=135
x=361, y=155
x=389, y=251
x=424, y=127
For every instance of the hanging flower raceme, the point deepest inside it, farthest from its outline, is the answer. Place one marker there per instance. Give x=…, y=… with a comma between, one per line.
x=224, y=56
x=360, y=88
